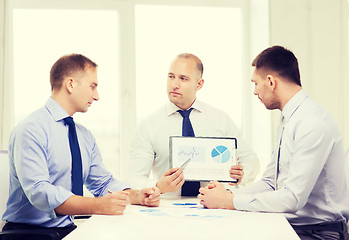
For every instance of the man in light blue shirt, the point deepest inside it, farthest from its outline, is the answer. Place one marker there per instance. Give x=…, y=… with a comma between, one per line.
x=41, y=163
x=305, y=179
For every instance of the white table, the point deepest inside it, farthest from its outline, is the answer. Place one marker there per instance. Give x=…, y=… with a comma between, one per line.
x=184, y=222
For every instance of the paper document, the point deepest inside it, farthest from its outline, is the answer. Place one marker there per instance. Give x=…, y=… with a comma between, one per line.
x=204, y=158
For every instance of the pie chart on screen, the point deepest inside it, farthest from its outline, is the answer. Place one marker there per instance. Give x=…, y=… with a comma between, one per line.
x=220, y=154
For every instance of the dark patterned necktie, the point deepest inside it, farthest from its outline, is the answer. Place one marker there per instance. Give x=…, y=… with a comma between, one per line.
x=76, y=158
x=189, y=188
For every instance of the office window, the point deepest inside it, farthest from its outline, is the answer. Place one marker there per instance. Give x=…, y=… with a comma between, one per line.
x=212, y=33
x=40, y=37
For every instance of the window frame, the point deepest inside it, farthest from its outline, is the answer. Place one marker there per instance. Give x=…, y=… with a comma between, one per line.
x=127, y=90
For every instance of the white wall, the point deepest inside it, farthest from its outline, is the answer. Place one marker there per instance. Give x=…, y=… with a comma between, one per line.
x=316, y=31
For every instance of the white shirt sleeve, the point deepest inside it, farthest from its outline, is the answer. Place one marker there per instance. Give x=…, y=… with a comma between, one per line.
x=247, y=157
x=306, y=159
x=141, y=158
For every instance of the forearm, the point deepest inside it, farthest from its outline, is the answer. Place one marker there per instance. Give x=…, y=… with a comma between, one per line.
x=134, y=196
x=281, y=200
x=79, y=205
x=261, y=196
x=113, y=203
x=256, y=187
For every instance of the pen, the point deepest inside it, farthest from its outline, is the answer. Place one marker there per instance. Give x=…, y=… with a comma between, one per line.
x=185, y=164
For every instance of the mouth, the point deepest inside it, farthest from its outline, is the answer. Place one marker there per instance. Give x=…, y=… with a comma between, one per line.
x=175, y=93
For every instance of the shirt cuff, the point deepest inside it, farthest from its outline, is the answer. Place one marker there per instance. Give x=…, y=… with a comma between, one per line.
x=57, y=200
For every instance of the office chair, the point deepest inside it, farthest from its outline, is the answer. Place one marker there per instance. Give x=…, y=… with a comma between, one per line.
x=17, y=234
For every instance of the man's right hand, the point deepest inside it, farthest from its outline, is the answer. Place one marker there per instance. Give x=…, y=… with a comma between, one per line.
x=113, y=203
x=171, y=181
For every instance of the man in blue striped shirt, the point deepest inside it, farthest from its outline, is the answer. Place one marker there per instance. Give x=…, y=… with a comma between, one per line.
x=41, y=163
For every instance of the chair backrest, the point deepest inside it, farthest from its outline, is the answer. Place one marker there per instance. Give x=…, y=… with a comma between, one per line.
x=4, y=183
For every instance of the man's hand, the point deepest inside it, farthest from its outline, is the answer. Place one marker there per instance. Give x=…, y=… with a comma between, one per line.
x=237, y=172
x=171, y=181
x=113, y=203
x=149, y=196
x=216, y=196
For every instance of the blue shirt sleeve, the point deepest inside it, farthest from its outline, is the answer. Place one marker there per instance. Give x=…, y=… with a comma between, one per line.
x=30, y=161
x=99, y=180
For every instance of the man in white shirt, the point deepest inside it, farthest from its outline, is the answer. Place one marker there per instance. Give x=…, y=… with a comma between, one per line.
x=150, y=147
x=305, y=179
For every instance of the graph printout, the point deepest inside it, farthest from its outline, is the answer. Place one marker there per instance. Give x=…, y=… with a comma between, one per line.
x=210, y=158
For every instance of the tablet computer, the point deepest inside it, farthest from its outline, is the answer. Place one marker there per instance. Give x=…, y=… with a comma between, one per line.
x=204, y=158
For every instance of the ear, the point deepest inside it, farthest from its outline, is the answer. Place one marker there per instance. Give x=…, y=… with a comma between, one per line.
x=70, y=84
x=200, y=84
x=271, y=82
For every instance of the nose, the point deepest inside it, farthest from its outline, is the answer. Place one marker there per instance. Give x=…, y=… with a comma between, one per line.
x=175, y=83
x=96, y=96
x=255, y=92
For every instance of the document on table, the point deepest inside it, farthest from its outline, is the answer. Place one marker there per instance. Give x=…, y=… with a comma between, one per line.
x=204, y=158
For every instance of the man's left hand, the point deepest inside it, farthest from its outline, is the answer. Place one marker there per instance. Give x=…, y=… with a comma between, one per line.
x=236, y=172
x=149, y=197
x=216, y=196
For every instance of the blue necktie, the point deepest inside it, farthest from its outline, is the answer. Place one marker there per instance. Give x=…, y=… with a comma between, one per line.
x=189, y=188
x=76, y=158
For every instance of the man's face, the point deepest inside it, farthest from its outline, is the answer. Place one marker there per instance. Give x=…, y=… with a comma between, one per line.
x=263, y=89
x=183, y=82
x=85, y=91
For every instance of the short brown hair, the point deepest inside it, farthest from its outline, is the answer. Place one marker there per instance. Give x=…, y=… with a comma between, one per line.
x=66, y=66
x=279, y=60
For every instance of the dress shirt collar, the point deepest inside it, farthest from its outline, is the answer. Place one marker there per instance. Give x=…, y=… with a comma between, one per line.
x=293, y=104
x=57, y=112
x=172, y=108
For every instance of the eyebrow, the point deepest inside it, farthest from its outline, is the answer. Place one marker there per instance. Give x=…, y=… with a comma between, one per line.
x=184, y=76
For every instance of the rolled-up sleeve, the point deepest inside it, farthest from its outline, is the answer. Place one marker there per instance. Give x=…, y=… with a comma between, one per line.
x=30, y=160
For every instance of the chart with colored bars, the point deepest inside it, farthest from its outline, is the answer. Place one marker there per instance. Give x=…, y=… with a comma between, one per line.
x=220, y=154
